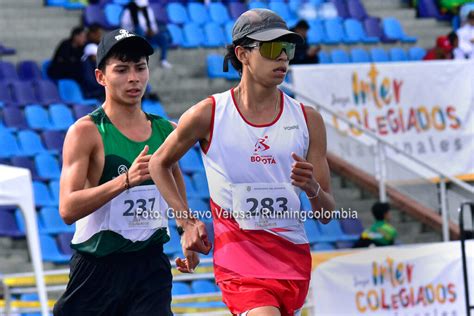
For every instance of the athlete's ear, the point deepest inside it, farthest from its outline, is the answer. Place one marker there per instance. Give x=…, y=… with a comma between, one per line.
x=100, y=77
x=242, y=54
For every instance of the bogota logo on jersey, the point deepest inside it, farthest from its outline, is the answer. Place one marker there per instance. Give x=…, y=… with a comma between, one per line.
x=261, y=146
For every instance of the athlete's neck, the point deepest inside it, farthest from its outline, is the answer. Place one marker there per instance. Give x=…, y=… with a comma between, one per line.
x=256, y=98
x=124, y=115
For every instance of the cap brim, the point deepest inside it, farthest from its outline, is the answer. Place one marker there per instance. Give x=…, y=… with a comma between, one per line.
x=273, y=34
x=140, y=44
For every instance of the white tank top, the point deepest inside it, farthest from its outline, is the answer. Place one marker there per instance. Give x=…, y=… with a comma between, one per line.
x=241, y=157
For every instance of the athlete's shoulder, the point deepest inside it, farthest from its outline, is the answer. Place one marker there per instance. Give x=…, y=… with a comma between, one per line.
x=202, y=109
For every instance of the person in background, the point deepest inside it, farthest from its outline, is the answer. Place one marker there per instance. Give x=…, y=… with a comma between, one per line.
x=139, y=18
x=94, y=33
x=442, y=50
x=381, y=233
x=304, y=54
x=66, y=62
x=89, y=85
x=466, y=36
x=454, y=41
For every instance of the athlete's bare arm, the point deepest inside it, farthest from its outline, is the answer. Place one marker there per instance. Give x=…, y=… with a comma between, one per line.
x=308, y=173
x=82, y=167
x=193, y=126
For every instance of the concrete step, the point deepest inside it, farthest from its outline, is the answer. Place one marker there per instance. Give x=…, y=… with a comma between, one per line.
x=382, y=4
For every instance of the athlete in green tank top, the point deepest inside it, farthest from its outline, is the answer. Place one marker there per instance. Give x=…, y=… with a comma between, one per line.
x=118, y=267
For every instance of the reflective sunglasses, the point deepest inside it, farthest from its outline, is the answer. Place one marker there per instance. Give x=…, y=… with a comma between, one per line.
x=272, y=50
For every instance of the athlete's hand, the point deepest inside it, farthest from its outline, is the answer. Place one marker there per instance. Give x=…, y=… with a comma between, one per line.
x=195, y=237
x=302, y=175
x=139, y=170
x=189, y=263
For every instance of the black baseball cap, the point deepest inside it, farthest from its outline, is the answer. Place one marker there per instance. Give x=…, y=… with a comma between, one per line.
x=263, y=25
x=121, y=36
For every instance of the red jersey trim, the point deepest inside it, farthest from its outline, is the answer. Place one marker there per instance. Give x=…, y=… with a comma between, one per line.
x=304, y=113
x=282, y=102
x=211, y=128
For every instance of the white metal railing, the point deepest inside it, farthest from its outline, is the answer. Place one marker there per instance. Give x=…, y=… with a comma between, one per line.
x=380, y=160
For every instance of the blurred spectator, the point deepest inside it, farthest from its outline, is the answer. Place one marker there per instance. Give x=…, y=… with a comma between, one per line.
x=381, y=233
x=89, y=85
x=442, y=50
x=94, y=33
x=139, y=18
x=304, y=54
x=454, y=41
x=66, y=62
x=466, y=36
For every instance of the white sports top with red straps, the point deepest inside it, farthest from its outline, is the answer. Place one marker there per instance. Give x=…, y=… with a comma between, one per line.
x=248, y=168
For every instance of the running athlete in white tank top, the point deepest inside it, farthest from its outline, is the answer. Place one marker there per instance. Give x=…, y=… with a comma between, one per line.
x=261, y=149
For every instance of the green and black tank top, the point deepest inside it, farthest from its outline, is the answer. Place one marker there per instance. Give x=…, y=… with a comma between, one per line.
x=133, y=220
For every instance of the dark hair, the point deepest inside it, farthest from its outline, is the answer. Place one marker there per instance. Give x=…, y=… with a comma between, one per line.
x=452, y=37
x=230, y=55
x=124, y=53
x=76, y=31
x=302, y=24
x=379, y=209
x=470, y=15
x=95, y=27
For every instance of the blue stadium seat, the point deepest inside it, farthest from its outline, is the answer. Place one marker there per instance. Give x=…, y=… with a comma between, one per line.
x=311, y=231
x=53, y=141
x=54, y=190
x=236, y=9
x=214, y=66
x=335, y=32
x=42, y=194
x=46, y=92
x=316, y=33
x=14, y=118
x=177, y=37
x=70, y=92
x=113, y=13
x=397, y=54
x=327, y=10
x=359, y=55
x=50, y=250
x=52, y=222
x=82, y=110
x=174, y=245
x=203, y=286
x=154, y=107
x=190, y=189
x=198, y=13
x=378, y=54
x=9, y=145
x=196, y=204
x=228, y=32
x=356, y=33
x=94, y=14
x=257, y=4
x=214, y=35
x=20, y=221
x=47, y=166
x=339, y=56
x=37, y=117
x=191, y=162
x=341, y=7
x=180, y=288
x=28, y=70
x=200, y=183
x=8, y=71
x=352, y=227
x=177, y=13
x=61, y=116
x=416, y=53
x=64, y=243
x=282, y=9
x=323, y=246
x=218, y=13
x=332, y=231
x=6, y=97
x=193, y=35
x=8, y=224
x=30, y=143
x=25, y=162
x=324, y=57
x=23, y=93
x=394, y=31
